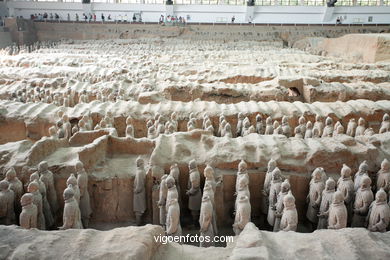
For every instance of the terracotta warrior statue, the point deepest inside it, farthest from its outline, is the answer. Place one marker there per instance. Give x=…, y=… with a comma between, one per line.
x=245, y=127
x=338, y=215
x=129, y=128
x=72, y=180
x=363, y=199
x=7, y=202
x=269, y=129
x=228, y=131
x=328, y=129
x=163, y=199
x=241, y=173
x=351, y=128
x=209, y=192
x=302, y=125
x=346, y=187
x=48, y=215
x=72, y=215
x=139, y=196
x=309, y=130
x=67, y=127
x=174, y=121
x=267, y=184
x=326, y=201
x=175, y=173
x=289, y=221
x=194, y=192
x=29, y=215
x=259, y=125
x=206, y=222
x=221, y=129
x=242, y=189
x=243, y=215
x=172, y=191
x=385, y=125
x=379, y=213
x=285, y=188
x=48, y=179
x=319, y=125
x=314, y=197
x=33, y=188
x=361, y=127
x=276, y=184
x=173, y=218
x=363, y=171
x=240, y=122
x=85, y=204
x=286, y=127
x=383, y=176
x=16, y=186
x=297, y=132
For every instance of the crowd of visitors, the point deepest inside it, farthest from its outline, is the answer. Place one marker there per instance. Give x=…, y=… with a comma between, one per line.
x=169, y=19
x=87, y=17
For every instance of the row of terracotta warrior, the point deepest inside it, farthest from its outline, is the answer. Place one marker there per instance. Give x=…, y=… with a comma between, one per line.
x=330, y=205
x=63, y=127
x=35, y=204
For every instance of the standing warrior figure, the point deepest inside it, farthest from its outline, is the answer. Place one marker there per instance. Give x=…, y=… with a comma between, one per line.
x=243, y=215
x=241, y=173
x=326, y=201
x=16, y=186
x=173, y=218
x=72, y=215
x=48, y=179
x=328, y=129
x=72, y=180
x=289, y=221
x=338, y=214
x=383, y=176
x=275, y=188
x=286, y=127
x=361, y=127
x=139, y=197
x=379, y=213
x=206, y=222
x=319, y=125
x=363, y=199
x=7, y=201
x=85, y=204
x=280, y=204
x=175, y=173
x=351, y=128
x=346, y=187
x=33, y=188
x=302, y=125
x=240, y=119
x=269, y=129
x=259, y=125
x=363, y=171
x=314, y=197
x=163, y=199
x=194, y=192
x=210, y=182
x=385, y=125
x=28, y=217
x=49, y=219
x=267, y=184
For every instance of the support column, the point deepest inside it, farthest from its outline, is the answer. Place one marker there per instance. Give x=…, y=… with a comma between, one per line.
x=250, y=11
x=328, y=13
x=169, y=8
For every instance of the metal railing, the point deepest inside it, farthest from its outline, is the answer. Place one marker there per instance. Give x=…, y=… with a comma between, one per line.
x=238, y=2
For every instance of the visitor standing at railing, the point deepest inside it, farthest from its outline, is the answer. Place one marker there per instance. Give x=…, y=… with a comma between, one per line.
x=103, y=18
x=233, y=19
